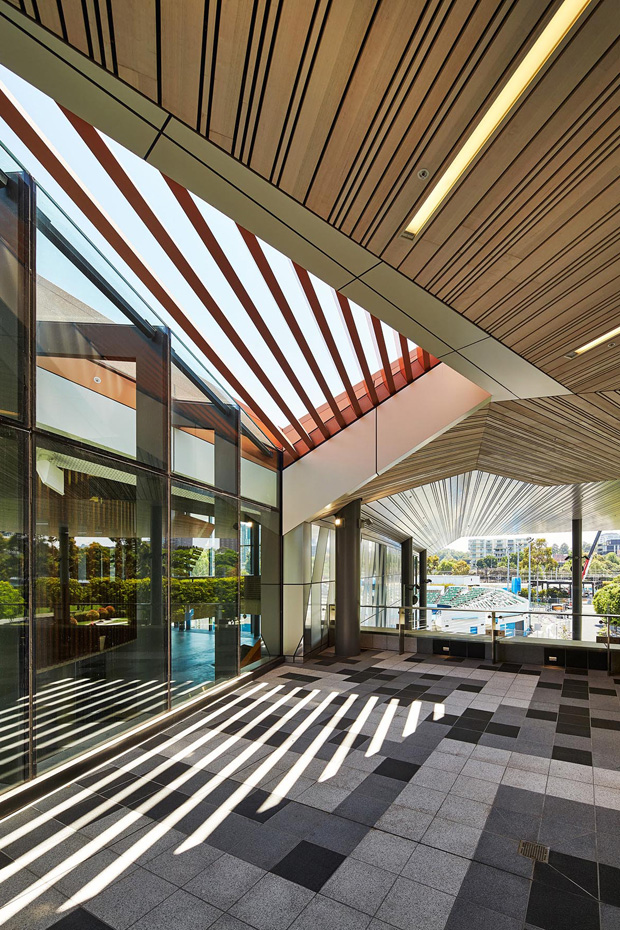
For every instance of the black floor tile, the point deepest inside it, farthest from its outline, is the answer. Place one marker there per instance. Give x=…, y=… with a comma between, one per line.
x=250, y=806
x=461, y=733
x=448, y=720
x=552, y=909
x=602, y=724
x=395, y=768
x=165, y=806
x=509, y=667
x=477, y=714
x=435, y=698
x=357, y=741
x=433, y=677
x=609, y=884
x=171, y=773
x=568, y=873
x=569, y=729
x=503, y=729
x=386, y=690
x=80, y=920
x=549, y=685
x=473, y=723
x=296, y=676
x=308, y=865
x=572, y=710
x=610, y=691
x=475, y=689
x=528, y=671
x=154, y=741
x=4, y=860
x=276, y=739
x=88, y=806
x=566, y=754
x=414, y=659
x=541, y=715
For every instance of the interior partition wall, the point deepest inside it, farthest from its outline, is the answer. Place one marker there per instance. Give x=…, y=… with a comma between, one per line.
x=139, y=505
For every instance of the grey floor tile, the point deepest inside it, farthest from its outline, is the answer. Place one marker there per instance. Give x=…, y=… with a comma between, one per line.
x=502, y=852
x=224, y=881
x=404, y=822
x=412, y=906
x=359, y=885
x=384, y=850
x=128, y=899
x=181, y=867
x=439, y=869
x=338, y=834
x=457, y=838
x=506, y=892
x=273, y=904
x=327, y=914
x=465, y=810
x=181, y=911
x=469, y=916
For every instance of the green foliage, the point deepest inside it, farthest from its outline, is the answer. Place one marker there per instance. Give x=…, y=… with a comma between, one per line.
x=205, y=595
x=461, y=567
x=607, y=599
x=445, y=566
x=11, y=602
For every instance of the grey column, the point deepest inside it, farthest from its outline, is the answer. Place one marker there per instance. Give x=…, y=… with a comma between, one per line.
x=348, y=580
x=406, y=572
x=577, y=592
x=423, y=580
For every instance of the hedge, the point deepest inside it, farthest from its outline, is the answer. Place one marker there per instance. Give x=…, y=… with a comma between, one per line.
x=12, y=603
x=199, y=593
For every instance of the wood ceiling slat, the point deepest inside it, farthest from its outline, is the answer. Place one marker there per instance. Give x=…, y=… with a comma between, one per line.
x=234, y=30
x=135, y=37
x=280, y=81
x=181, y=43
x=49, y=15
x=79, y=30
x=325, y=82
x=446, y=97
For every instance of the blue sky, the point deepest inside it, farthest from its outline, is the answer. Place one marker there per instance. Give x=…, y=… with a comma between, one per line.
x=54, y=126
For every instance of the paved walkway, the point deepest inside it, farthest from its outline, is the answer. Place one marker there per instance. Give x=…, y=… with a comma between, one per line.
x=365, y=794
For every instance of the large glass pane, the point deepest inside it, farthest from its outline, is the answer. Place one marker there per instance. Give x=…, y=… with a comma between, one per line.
x=261, y=633
x=13, y=610
x=14, y=250
x=321, y=592
x=260, y=476
x=204, y=590
x=102, y=355
x=101, y=640
x=205, y=425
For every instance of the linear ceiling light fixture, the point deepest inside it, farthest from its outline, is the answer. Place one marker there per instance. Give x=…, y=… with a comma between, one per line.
x=551, y=36
x=596, y=342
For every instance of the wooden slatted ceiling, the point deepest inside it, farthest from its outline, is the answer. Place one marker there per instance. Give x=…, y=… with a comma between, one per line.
x=340, y=104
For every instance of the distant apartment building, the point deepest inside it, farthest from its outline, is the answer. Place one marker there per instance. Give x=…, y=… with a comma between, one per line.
x=609, y=542
x=481, y=548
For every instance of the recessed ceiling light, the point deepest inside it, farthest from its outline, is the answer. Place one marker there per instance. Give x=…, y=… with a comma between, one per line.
x=596, y=342
x=542, y=49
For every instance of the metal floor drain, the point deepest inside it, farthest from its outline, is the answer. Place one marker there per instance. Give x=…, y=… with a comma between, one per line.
x=535, y=851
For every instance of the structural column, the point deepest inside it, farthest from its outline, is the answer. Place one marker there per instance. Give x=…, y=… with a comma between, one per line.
x=348, y=579
x=577, y=588
x=423, y=586
x=406, y=573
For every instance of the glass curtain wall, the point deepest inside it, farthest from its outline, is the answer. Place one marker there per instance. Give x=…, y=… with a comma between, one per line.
x=321, y=592
x=139, y=506
x=380, y=583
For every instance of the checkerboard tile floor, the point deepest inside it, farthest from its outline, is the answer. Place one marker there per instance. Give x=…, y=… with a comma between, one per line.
x=362, y=794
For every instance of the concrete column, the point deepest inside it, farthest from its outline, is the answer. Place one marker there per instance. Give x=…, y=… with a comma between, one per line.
x=577, y=592
x=406, y=573
x=423, y=580
x=348, y=579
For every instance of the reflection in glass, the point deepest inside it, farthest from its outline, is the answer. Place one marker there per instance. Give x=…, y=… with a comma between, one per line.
x=321, y=592
x=380, y=581
x=13, y=611
x=100, y=641
x=102, y=364
x=14, y=248
x=205, y=426
x=259, y=465
x=204, y=590
x=261, y=635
